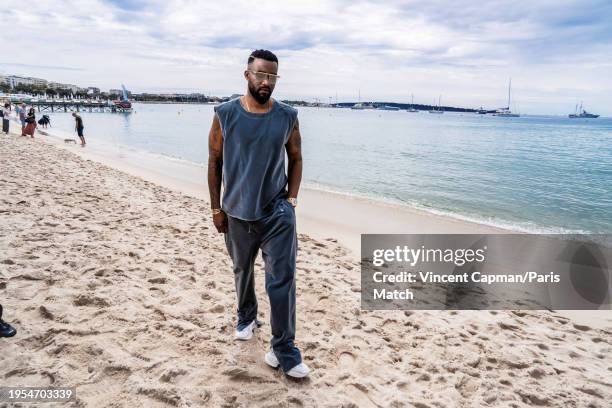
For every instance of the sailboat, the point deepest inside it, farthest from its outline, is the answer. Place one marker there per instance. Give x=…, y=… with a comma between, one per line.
x=411, y=108
x=583, y=113
x=505, y=112
x=438, y=110
x=358, y=105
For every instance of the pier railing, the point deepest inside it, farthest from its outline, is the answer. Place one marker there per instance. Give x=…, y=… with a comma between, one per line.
x=76, y=106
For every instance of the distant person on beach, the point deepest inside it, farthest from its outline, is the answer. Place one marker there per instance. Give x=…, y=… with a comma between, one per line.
x=6, y=111
x=247, y=144
x=30, y=127
x=6, y=330
x=21, y=113
x=78, y=127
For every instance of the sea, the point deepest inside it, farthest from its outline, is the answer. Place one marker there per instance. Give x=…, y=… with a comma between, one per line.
x=539, y=174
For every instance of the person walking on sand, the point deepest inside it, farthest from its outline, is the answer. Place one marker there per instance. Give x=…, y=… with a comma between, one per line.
x=30, y=127
x=78, y=127
x=248, y=140
x=6, y=112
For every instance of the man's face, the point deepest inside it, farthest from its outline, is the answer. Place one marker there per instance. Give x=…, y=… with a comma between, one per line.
x=261, y=88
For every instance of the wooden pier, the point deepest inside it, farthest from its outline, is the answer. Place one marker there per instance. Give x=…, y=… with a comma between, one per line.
x=77, y=106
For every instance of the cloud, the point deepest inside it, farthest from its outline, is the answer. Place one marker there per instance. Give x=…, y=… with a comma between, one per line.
x=464, y=49
x=39, y=66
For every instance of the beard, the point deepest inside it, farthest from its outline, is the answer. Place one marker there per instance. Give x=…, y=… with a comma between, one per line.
x=261, y=98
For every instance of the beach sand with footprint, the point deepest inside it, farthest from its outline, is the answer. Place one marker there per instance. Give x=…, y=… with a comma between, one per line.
x=124, y=290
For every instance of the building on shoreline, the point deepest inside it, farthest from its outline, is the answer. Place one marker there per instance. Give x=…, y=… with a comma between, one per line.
x=14, y=80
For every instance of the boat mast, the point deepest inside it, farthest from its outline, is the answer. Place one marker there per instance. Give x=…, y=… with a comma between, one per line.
x=509, y=87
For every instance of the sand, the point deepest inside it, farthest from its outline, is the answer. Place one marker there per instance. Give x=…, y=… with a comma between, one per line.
x=122, y=288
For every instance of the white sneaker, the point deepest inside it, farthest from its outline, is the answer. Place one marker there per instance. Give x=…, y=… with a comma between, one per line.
x=271, y=359
x=246, y=333
x=299, y=371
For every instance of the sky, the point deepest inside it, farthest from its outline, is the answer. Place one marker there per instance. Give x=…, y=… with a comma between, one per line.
x=557, y=53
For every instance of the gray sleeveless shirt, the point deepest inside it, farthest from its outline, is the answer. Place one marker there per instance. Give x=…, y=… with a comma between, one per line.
x=253, y=157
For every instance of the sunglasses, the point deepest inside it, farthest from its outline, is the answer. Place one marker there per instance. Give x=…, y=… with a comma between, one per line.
x=261, y=76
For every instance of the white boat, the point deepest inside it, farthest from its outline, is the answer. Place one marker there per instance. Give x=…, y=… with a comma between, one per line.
x=358, y=105
x=506, y=112
x=411, y=108
x=388, y=107
x=437, y=111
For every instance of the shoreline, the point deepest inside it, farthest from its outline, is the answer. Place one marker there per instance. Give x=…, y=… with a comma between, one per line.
x=342, y=218
x=494, y=217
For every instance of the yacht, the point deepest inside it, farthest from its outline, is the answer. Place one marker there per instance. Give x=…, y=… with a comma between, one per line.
x=581, y=113
x=358, y=105
x=437, y=110
x=411, y=108
x=506, y=112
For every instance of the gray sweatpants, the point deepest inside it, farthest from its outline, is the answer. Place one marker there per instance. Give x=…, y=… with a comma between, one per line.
x=275, y=235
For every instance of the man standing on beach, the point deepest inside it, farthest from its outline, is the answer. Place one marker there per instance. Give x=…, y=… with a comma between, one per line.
x=247, y=144
x=78, y=127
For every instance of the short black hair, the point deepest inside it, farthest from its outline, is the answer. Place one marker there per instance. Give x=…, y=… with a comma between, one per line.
x=263, y=54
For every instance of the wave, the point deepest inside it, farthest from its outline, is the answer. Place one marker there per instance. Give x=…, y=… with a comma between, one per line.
x=526, y=227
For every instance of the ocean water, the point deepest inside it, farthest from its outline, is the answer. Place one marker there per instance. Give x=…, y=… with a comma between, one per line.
x=535, y=174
